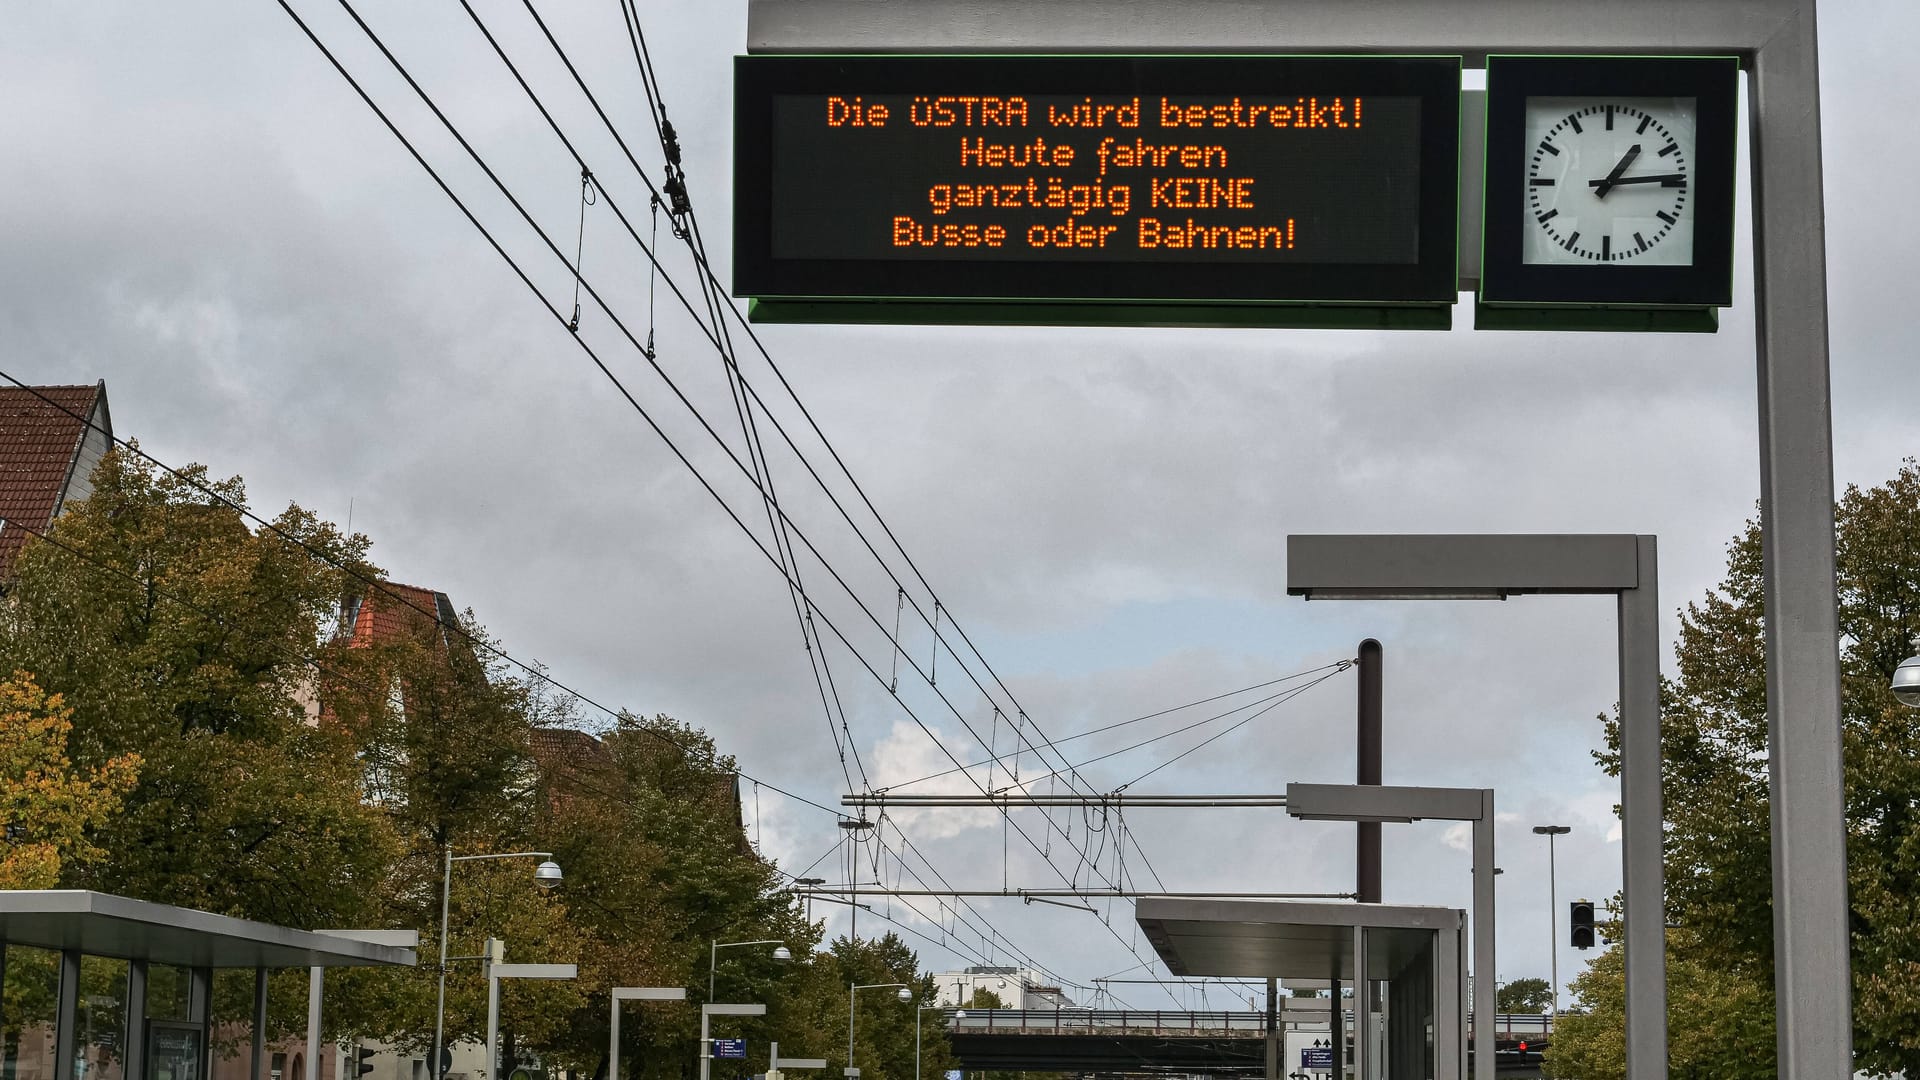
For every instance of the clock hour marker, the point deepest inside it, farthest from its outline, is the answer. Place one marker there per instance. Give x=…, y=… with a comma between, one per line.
x=1572, y=240
x=1664, y=216
x=1609, y=118
x=1548, y=216
x=1575, y=121
x=1605, y=247
x=1541, y=181
x=1641, y=240
x=1644, y=121
x=1668, y=149
x=1548, y=147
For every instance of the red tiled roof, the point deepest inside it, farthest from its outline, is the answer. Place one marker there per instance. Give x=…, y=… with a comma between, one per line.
x=38, y=443
x=394, y=611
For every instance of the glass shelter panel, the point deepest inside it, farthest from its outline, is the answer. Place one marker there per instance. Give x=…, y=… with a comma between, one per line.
x=100, y=1020
x=27, y=1013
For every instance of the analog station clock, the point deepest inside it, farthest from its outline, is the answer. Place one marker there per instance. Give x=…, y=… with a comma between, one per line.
x=1609, y=182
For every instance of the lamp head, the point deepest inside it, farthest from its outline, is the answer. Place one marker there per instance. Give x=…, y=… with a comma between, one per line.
x=547, y=875
x=905, y=994
x=1906, y=678
x=783, y=954
x=1552, y=830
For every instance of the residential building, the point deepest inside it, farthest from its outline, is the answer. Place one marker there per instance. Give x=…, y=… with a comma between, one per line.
x=51, y=438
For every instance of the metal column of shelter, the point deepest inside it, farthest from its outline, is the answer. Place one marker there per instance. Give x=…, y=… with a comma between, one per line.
x=1776, y=40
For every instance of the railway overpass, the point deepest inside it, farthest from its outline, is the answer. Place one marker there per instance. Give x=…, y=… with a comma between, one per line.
x=1228, y=1044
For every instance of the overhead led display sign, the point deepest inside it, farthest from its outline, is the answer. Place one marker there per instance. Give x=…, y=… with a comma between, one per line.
x=1118, y=180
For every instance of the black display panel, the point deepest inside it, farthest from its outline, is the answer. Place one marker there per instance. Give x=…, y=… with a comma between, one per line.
x=1266, y=179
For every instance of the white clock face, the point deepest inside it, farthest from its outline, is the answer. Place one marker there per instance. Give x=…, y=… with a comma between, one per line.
x=1609, y=181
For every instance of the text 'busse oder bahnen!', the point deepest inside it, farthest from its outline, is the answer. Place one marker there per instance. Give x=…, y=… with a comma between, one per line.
x=1141, y=185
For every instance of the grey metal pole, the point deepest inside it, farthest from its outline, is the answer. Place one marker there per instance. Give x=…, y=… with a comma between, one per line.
x=1483, y=962
x=713, y=959
x=916, y=1042
x=440, y=1005
x=1642, y=836
x=493, y=1018
x=1812, y=985
x=316, y=983
x=258, y=1070
x=706, y=1044
x=1273, y=1030
x=613, y=1040
x=850, y=1006
x=1362, y=1017
x=1553, y=924
x=1367, y=837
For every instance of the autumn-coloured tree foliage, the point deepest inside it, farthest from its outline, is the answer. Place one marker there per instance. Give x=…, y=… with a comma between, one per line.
x=1718, y=846
x=50, y=810
x=289, y=773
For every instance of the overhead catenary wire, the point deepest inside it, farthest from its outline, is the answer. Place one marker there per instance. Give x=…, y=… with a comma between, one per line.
x=553, y=125
x=521, y=273
x=324, y=668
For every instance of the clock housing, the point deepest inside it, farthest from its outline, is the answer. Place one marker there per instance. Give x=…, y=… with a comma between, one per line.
x=1609, y=182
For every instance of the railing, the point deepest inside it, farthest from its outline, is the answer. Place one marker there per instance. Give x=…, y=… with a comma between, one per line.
x=1069, y=1021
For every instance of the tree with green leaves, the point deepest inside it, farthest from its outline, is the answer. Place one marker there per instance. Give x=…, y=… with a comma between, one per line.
x=49, y=811
x=174, y=631
x=1532, y=996
x=1718, y=844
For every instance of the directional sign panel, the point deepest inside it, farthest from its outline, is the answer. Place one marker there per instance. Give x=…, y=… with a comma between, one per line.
x=1111, y=178
x=1316, y=1057
x=730, y=1048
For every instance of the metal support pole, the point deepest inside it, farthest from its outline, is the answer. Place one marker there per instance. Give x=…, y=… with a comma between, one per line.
x=850, y=1008
x=1642, y=811
x=916, y=1043
x=259, y=1023
x=613, y=1040
x=1362, y=1020
x=440, y=1005
x=1273, y=1030
x=1367, y=837
x=706, y=1044
x=493, y=1015
x=1483, y=963
x=1553, y=924
x=65, y=1012
x=1337, y=1028
x=316, y=982
x=135, y=1058
x=1812, y=986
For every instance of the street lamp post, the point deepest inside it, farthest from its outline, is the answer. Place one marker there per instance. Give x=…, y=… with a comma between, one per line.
x=917, y=1010
x=904, y=995
x=547, y=875
x=782, y=954
x=1369, y=803
x=1622, y=565
x=1553, y=909
x=619, y=994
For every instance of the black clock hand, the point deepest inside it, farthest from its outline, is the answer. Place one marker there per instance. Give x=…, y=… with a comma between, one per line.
x=1663, y=179
x=1601, y=187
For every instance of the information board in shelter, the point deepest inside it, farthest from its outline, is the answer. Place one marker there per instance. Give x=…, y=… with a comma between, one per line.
x=1305, y=179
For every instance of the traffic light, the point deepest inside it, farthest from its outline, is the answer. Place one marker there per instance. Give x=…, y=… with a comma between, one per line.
x=363, y=1060
x=1580, y=921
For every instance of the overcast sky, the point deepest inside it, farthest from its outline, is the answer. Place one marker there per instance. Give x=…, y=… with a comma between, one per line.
x=198, y=209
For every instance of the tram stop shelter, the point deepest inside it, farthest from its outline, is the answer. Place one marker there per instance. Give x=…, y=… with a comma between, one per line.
x=1410, y=963
x=102, y=987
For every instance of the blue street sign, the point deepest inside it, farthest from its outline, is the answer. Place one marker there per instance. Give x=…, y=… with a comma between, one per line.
x=730, y=1048
x=1316, y=1057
